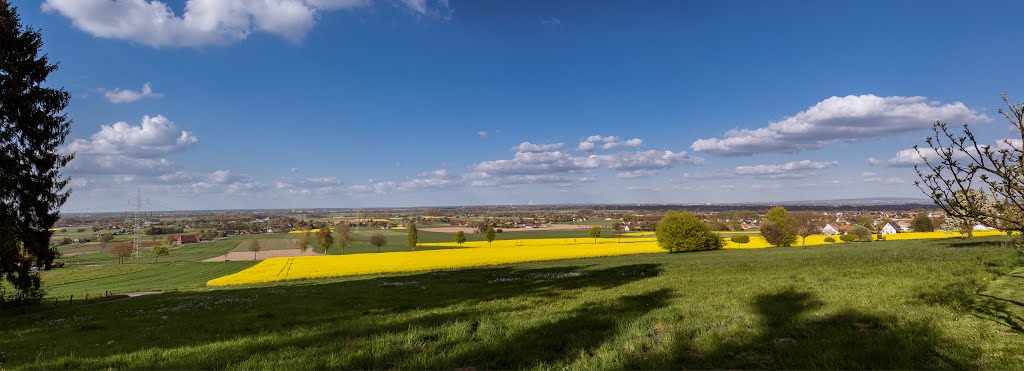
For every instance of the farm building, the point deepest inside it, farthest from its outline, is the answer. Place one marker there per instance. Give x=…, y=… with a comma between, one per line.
x=830, y=229
x=181, y=240
x=890, y=228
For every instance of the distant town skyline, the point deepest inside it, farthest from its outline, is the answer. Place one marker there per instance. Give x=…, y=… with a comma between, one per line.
x=362, y=103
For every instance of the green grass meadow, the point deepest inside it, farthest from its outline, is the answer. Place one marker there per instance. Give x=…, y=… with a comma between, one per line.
x=938, y=304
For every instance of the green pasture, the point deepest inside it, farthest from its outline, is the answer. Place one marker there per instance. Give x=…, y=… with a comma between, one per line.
x=933, y=304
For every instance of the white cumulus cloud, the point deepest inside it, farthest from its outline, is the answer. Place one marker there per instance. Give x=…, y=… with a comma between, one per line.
x=530, y=147
x=218, y=181
x=594, y=142
x=792, y=169
x=117, y=95
x=154, y=136
x=840, y=118
x=121, y=148
x=208, y=22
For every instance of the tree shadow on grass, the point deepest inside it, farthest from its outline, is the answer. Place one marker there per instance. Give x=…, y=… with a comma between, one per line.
x=790, y=337
x=982, y=243
x=967, y=296
x=308, y=316
x=559, y=343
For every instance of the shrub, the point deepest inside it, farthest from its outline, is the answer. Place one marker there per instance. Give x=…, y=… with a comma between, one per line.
x=922, y=223
x=830, y=239
x=862, y=233
x=680, y=232
x=847, y=238
x=740, y=239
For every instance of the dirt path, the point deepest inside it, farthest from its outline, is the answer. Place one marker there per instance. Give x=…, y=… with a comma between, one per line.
x=261, y=255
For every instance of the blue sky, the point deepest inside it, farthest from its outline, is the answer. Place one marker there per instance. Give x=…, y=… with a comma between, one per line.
x=357, y=103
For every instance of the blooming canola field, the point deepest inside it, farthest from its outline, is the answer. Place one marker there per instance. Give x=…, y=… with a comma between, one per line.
x=503, y=252
x=482, y=253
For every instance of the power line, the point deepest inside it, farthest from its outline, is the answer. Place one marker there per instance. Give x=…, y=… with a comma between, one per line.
x=137, y=221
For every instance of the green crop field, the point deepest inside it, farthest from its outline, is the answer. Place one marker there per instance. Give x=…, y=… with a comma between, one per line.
x=134, y=277
x=184, y=253
x=268, y=244
x=892, y=305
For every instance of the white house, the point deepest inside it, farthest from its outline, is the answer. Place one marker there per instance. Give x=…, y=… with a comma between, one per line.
x=982, y=227
x=830, y=229
x=890, y=228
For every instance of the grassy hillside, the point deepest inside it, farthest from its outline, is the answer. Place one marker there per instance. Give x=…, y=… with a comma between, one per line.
x=897, y=304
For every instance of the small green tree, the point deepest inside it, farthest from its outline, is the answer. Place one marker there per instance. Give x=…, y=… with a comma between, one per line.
x=254, y=246
x=158, y=251
x=412, y=235
x=777, y=227
x=618, y=231
x=324, y=238
x=595, y=233
x=680, y=232
x=460, y=238
x=864, y=220
x=830, y=240
x=490, y=236
x=344, y=236
x=861, y=233
x=378, y=239
x=922, y=223
x=847, y=238
x=740, y=239
x=303, y=242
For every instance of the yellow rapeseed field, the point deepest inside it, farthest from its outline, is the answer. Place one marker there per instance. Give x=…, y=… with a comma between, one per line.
x=638, y=234
x=928, y=235
x=315, y=230
x=504, y=252
x=481, y=253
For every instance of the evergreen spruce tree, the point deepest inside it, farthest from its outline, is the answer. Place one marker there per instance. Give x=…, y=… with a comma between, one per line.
x=32, y=129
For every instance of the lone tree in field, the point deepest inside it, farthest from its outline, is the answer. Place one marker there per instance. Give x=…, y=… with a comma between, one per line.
x=618, y=231
x=460, y=238
x=303, y=242
x=595, y=233
x=740, y=240
x=960, y=174
x=324, y=238
x=861, y=233
x=254, y=246
x=806, y=223
x=158, y=251
x=412, y=236
x=33, y=127
x=490, y=236
x=681, y=232
x=777, y=227
x=378, y=239
x=121, y=251
x=344, y=236
x=922, y=223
